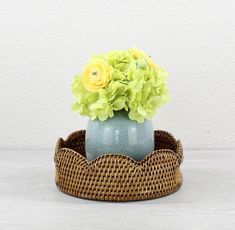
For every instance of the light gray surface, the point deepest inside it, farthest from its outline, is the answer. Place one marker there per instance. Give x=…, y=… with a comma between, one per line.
x=29, y=198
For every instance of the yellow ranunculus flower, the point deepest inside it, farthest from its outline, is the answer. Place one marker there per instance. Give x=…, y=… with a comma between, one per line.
x=96, y=75
x=137, y=53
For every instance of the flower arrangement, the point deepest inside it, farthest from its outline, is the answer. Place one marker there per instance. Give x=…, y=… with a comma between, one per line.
x=118, y=80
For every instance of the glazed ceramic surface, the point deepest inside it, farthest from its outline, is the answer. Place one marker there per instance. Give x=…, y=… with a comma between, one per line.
x=119, y=135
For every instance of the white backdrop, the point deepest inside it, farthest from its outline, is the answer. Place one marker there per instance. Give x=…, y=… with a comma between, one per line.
x=44, y=43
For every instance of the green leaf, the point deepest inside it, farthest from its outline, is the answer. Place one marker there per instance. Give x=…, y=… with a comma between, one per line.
x=119, y=104
x=75, y=107
x=102, y=115
x=100, y=104
x=141, y=111
x=117, y=76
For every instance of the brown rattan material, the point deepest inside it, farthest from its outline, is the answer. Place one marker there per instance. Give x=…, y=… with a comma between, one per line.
x=118, y=177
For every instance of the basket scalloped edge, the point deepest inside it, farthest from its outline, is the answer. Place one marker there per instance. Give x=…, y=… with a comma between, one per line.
x=114, y=177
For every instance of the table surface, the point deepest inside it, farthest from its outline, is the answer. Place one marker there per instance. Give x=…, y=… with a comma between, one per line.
x=29, y=198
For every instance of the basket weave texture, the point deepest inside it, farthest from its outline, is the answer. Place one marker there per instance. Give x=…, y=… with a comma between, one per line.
x=118, y=177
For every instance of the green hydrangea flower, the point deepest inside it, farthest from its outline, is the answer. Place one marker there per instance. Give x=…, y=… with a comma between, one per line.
x=119, y=80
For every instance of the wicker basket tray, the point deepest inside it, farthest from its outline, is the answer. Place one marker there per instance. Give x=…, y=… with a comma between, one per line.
x=118, y=177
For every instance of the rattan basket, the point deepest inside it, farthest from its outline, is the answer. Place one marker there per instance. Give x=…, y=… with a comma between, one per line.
x=118, y=177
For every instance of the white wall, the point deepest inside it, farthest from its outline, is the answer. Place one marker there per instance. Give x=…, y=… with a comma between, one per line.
x=44, y=43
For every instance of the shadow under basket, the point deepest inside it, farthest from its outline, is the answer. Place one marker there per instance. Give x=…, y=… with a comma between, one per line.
x=118, y=177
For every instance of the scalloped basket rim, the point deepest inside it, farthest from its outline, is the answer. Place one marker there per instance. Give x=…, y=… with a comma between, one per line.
x=118, y=155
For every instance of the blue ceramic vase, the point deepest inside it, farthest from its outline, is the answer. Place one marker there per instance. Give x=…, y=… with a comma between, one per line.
x=119, y=135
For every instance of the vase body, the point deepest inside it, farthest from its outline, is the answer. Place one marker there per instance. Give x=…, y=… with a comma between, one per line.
x=119, y=135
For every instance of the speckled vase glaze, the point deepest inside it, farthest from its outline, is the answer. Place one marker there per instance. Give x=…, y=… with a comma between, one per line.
x=119, y=135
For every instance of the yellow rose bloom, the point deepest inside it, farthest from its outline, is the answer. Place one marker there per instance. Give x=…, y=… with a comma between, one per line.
x=96, y=75
x=137, y=53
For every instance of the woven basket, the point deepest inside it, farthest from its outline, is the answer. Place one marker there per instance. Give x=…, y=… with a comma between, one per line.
x=118, y=177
